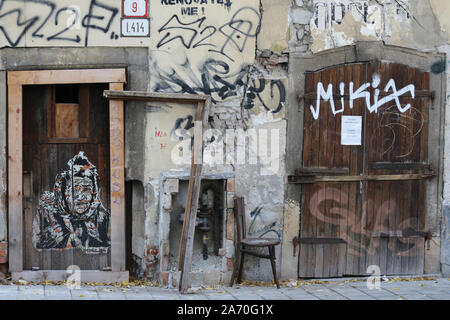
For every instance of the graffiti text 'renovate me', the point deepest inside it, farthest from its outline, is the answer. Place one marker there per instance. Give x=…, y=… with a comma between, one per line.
x=362, y=93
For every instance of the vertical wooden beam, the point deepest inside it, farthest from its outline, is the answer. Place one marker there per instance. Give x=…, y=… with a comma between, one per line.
x=83, y=101
x=117, y=162
x=187, y=238
x=15, y=210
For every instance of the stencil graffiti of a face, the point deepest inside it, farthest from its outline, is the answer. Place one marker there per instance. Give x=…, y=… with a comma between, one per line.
x=73, y=215
x=79, y=195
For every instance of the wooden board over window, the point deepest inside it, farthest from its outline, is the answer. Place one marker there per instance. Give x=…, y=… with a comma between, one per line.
x=65, y=123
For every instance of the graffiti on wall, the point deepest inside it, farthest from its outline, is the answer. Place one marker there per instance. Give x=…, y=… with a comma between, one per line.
x=217, y=79
x=327, y=13
x=72, y=215
x=352, y=225
x=51, y=21
x=362, y=93
x=398, y=124
x=196, y=7
x=259, y=227
x=224, y=39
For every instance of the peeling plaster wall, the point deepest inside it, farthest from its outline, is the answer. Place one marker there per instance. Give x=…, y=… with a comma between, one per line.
x=408, y=23
x=238, y=54
x=235, y=53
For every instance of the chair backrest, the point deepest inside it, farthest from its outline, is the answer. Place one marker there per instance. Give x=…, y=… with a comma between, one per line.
x=239, y=218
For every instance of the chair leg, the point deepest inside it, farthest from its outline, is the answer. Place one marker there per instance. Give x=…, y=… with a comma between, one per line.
x=272, y=261
x=241, y=266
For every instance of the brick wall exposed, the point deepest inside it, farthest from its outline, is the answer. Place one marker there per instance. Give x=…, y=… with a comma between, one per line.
x=3, y=252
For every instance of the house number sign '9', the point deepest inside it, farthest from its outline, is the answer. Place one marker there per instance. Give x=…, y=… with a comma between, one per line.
x=134, y=8
x=134, y=22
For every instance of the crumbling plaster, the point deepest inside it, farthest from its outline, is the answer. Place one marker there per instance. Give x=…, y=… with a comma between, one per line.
x=246, y=73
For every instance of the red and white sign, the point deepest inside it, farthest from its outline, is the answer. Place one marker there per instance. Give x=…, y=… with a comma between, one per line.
x=134, y=8
x=135, y=27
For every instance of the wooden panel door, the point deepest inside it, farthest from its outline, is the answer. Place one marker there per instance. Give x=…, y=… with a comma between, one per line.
x=66, y=185
x=349, y=218
x=397, y=144
x=329, y=210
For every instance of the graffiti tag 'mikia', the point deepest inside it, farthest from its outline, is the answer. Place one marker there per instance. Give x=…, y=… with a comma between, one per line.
x=362, y=93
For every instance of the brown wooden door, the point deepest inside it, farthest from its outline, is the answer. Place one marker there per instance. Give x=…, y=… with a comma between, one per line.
x=66, y=177
x=363, y=204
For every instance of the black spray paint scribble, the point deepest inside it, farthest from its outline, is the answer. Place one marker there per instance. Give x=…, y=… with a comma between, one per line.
x=180, y=130
x=217, y=80
x=226, y=3
x=72, y=215
x=259, y=227
x=235, y=34
x=99, y=17
x=438, y=67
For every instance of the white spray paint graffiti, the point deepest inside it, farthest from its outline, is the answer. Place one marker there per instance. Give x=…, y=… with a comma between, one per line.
x=327, y=95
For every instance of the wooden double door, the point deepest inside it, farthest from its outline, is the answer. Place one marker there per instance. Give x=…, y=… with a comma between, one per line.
x=364, y=169
x=66, y=190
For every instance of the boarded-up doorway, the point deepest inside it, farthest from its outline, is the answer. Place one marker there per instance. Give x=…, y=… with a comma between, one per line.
x=66, y=175
x=363, y=202
x=65, y=123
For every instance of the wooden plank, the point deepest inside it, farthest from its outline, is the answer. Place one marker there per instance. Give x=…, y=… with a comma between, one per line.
x=49, y=169
x=321, y=154
x=339, y=188
x=329, y=159
x=117, y=178
x=15, y=209
x=323, y=171
x=67, y=123
x=84, y=111
x=361, y=216
x=154, y=96
x=408, y=254
x=378, y=177
x=27, y=211
x=66, y=140
x=67, y=76
x=36, y=257
x=401, y=166
x=193, y=195
x=314, y=162
x=354, y=205
x=50, y=111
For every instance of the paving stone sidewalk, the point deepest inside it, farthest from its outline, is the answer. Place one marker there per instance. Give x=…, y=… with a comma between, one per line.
x=341, y=289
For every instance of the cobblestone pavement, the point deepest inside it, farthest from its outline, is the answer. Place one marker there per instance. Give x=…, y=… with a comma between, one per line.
x=341, y=289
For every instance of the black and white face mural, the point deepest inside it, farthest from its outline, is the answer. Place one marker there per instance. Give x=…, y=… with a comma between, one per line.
x=72, y=216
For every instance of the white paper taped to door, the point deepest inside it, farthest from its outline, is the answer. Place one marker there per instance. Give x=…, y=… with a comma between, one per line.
x=351, y=129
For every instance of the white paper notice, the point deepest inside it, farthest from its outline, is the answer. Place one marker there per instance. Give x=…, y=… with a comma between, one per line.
x=351, y=129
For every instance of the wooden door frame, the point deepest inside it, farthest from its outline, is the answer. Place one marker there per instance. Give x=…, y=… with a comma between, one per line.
x=16, y=80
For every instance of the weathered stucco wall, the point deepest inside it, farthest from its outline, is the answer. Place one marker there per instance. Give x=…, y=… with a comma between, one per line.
x=237, y=52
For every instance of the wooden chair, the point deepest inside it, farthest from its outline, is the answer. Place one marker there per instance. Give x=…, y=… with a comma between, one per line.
x=243, y=244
